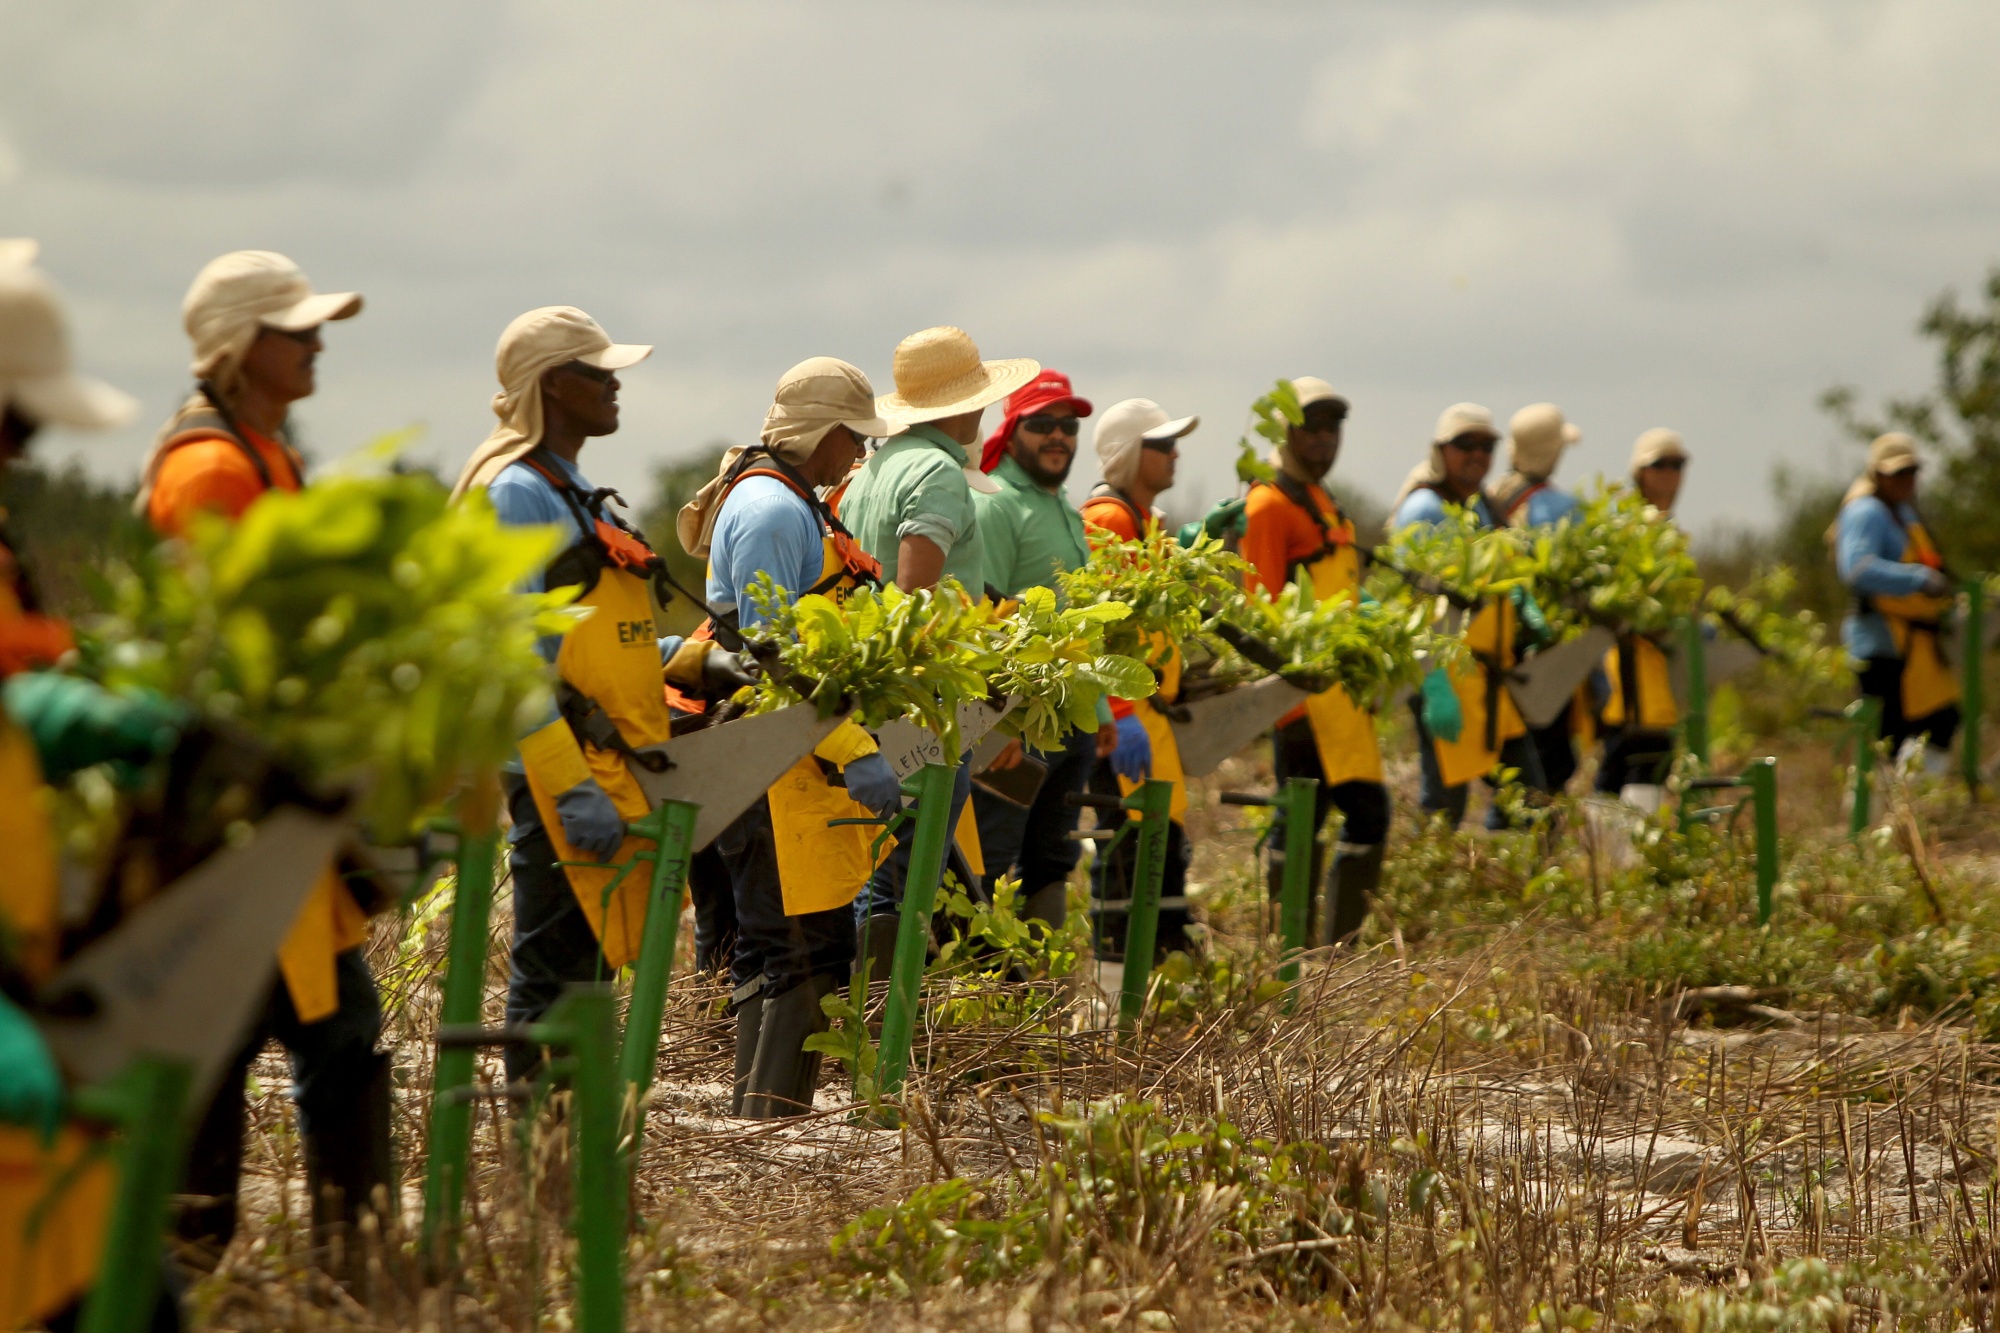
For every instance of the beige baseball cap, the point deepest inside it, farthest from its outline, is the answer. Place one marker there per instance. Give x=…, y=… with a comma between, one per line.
x=1312, y=389
x=1892, y=453
x=1464, y=419
x=245, y=290
x=1123, y=430
x=1657, y=445
x=1538, y=434
x=35, y=370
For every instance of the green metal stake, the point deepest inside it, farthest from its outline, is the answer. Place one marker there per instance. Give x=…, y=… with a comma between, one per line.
x=1299, y=798
x=1972, y=686
x=1866, y=715
x=464, y=992
x=1694, y=726
x=933, y=783
x=149, y=1103
x=671, y=829
x=585, y=1020
x=1153, y=800
x=1762, y=779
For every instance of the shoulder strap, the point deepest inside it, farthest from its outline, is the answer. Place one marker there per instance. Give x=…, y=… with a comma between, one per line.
x=1521, y=501
x=855, y=562
x=1104, y=490
x=205, y=418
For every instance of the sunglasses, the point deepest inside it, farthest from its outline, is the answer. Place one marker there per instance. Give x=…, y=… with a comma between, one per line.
x=305, y=335
x=1041, y=424
x=1667, y=464
x=590, y=372
x=1472, y=444
x=1167, y=446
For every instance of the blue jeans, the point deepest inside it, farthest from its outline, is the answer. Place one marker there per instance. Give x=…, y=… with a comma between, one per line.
x=1034, y=840
x=884, y=894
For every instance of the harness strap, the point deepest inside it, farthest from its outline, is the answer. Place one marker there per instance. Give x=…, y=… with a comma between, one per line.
x=1331, y=538
x=1104, y=490
x=213, y=422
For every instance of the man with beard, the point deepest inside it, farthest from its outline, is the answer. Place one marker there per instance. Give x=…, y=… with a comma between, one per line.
x=1032, y=533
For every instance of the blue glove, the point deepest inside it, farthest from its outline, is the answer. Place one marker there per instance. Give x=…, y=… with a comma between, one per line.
x=30, y=1089
x=1443, y=717
x=1133, y=759
x=589, y=820
x=872, y=783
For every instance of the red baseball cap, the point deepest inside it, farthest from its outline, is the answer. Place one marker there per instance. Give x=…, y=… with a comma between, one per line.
x=1044, y=391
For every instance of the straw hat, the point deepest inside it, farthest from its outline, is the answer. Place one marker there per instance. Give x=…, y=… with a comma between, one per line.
x=1537, y=437
x=35, y=374
x=939, y=374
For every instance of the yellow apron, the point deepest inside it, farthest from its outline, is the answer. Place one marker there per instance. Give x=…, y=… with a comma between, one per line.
x=1166, y=750
x=612, y=657
x=1343, y=733
x=1652, y=683
x=1490, y=641
x=28, y=876
x=1928, y=683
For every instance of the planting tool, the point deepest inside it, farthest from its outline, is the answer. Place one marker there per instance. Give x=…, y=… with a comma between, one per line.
x=183, y=976
x=725, y=768
x=583, y=1027
x=1297, y=799
x=671, y=831
x=908, y=745
x=1546, y=682
x=1761, y=778
x=1222, y=724
x=148, y=1101
x=932, y=788
x=1152, y=802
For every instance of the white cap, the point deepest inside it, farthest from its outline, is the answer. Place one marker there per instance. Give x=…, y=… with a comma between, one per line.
x=35, y=373
x=1311, y=389
x=247, y=290
x=1464, y=419
x=1125, y=426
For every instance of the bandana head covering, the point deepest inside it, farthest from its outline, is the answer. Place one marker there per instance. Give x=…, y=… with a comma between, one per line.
x=538, y=341
x=1536, y=438
x=812, y=398
x=35, y=374
x=1045, y=390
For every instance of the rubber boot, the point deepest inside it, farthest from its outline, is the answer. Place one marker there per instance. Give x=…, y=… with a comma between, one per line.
x=1048, y=904
x=777, y=1071
x=823, y=984
x=351, y=1174
x=1350, y=887
x=749, y=1022
x=878, y=944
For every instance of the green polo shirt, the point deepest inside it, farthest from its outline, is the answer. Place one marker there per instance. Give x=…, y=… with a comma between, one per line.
x=915, y=485
x=1031, y=533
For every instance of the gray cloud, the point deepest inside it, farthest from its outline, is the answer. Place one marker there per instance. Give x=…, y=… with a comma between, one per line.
x=1659, y=212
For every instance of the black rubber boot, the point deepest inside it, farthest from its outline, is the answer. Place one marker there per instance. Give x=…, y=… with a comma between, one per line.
x=822, y=985
x=1350, y=888
x=1048, y=904
x=777, y=1072
x=351, y=1174
x=749, y=1021
x=878, y=944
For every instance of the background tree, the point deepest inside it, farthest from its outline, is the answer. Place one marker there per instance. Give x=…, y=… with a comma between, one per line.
x=69, y=525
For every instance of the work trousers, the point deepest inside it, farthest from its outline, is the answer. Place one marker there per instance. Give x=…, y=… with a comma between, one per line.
x=1033, y=841
x=713, y=893
x=773, y=951
x=1634, y=754
x=1111, y=882
x=1364, y=806
x=1555, y=747
x=333, y=1065
x=1438, y=799
x=1881, y=678
x=554, y=946
x=884, y=894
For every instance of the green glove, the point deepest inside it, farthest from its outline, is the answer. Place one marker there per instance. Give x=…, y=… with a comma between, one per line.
x=76, y=723
x=1531, y=614
x=1443, y=717
x=1226, y=519
x=31, y=1091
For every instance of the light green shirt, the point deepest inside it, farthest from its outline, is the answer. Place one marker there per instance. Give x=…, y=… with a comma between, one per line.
x=915, y=486
x=1031, y=533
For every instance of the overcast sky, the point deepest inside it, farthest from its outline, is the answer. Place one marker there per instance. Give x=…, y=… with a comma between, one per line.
x=1653, y=213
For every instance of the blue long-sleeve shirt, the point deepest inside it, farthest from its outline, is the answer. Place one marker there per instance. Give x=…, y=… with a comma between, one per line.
x=1427, y=506
x=1868, y=555
x=764, y=527
x=1548, y=507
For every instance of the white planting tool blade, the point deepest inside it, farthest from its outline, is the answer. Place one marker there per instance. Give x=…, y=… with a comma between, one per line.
x=1222, y=724
x=1545, y=682
x=724, y=769
x=1721, y=660
x=908, y=745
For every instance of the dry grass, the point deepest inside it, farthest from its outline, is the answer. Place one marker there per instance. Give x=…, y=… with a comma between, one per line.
x=1461, y=1132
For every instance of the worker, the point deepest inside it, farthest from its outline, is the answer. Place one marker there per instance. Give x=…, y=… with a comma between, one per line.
x=570, y=793
x=1138, y=452
x=1640, y=712
x=56, y=1184
x=794, y=878
x=1466, y=721
x=1031, y=533
x=1296, y=532
x=910, y=507
x=1526, y=496
x=254, y=322
x=1902, y=595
